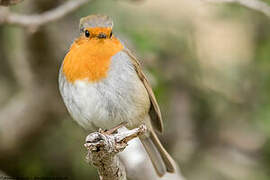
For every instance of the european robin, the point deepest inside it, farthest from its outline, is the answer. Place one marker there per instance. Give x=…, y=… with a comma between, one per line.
x=102, y=85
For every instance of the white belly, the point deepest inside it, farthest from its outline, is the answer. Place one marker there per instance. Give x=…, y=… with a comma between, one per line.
x=119, y=97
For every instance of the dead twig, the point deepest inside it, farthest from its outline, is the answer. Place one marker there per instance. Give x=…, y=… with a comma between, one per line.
x=103, y=148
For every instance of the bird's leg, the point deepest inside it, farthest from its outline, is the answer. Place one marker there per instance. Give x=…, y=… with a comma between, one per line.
x=114, y=129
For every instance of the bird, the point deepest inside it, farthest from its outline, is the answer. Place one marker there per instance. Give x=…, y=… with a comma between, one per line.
x=102, y=85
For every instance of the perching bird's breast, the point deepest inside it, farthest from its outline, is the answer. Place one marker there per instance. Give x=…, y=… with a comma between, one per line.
x=90, y=59
x=121, y=96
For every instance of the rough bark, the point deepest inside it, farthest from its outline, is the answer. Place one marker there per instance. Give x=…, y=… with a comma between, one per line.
x=103, y=148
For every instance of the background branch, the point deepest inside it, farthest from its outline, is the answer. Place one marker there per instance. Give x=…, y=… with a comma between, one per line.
x=252, y=4
x=34, y=21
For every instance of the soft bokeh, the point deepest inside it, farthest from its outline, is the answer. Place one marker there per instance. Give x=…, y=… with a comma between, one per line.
x=209, y=65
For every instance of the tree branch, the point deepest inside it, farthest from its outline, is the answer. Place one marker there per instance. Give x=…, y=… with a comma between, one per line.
x=103, y=148
x=34, y=21
x=256, y=5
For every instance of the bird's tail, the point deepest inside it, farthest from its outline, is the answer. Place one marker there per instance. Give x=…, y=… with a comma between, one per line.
x=160, y=158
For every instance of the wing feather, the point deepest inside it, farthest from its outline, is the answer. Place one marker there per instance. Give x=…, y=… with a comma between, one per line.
x=154, y=112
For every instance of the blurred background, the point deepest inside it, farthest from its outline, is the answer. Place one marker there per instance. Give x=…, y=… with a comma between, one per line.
x=208, y=63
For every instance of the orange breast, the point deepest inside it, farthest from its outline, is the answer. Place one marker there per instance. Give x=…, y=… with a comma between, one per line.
x=90, y=58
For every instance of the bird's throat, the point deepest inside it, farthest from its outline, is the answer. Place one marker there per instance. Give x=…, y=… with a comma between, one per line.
x=89, y=59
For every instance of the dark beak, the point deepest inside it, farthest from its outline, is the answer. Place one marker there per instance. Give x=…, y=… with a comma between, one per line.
x=102, y=36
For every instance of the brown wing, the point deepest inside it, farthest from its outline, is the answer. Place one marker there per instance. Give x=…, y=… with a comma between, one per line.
x=154, y=111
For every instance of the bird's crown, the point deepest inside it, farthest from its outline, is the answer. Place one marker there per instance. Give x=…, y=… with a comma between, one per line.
x=94, y=21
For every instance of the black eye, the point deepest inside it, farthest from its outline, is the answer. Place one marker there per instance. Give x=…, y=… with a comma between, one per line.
x=87, y=33
x=111, y=34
